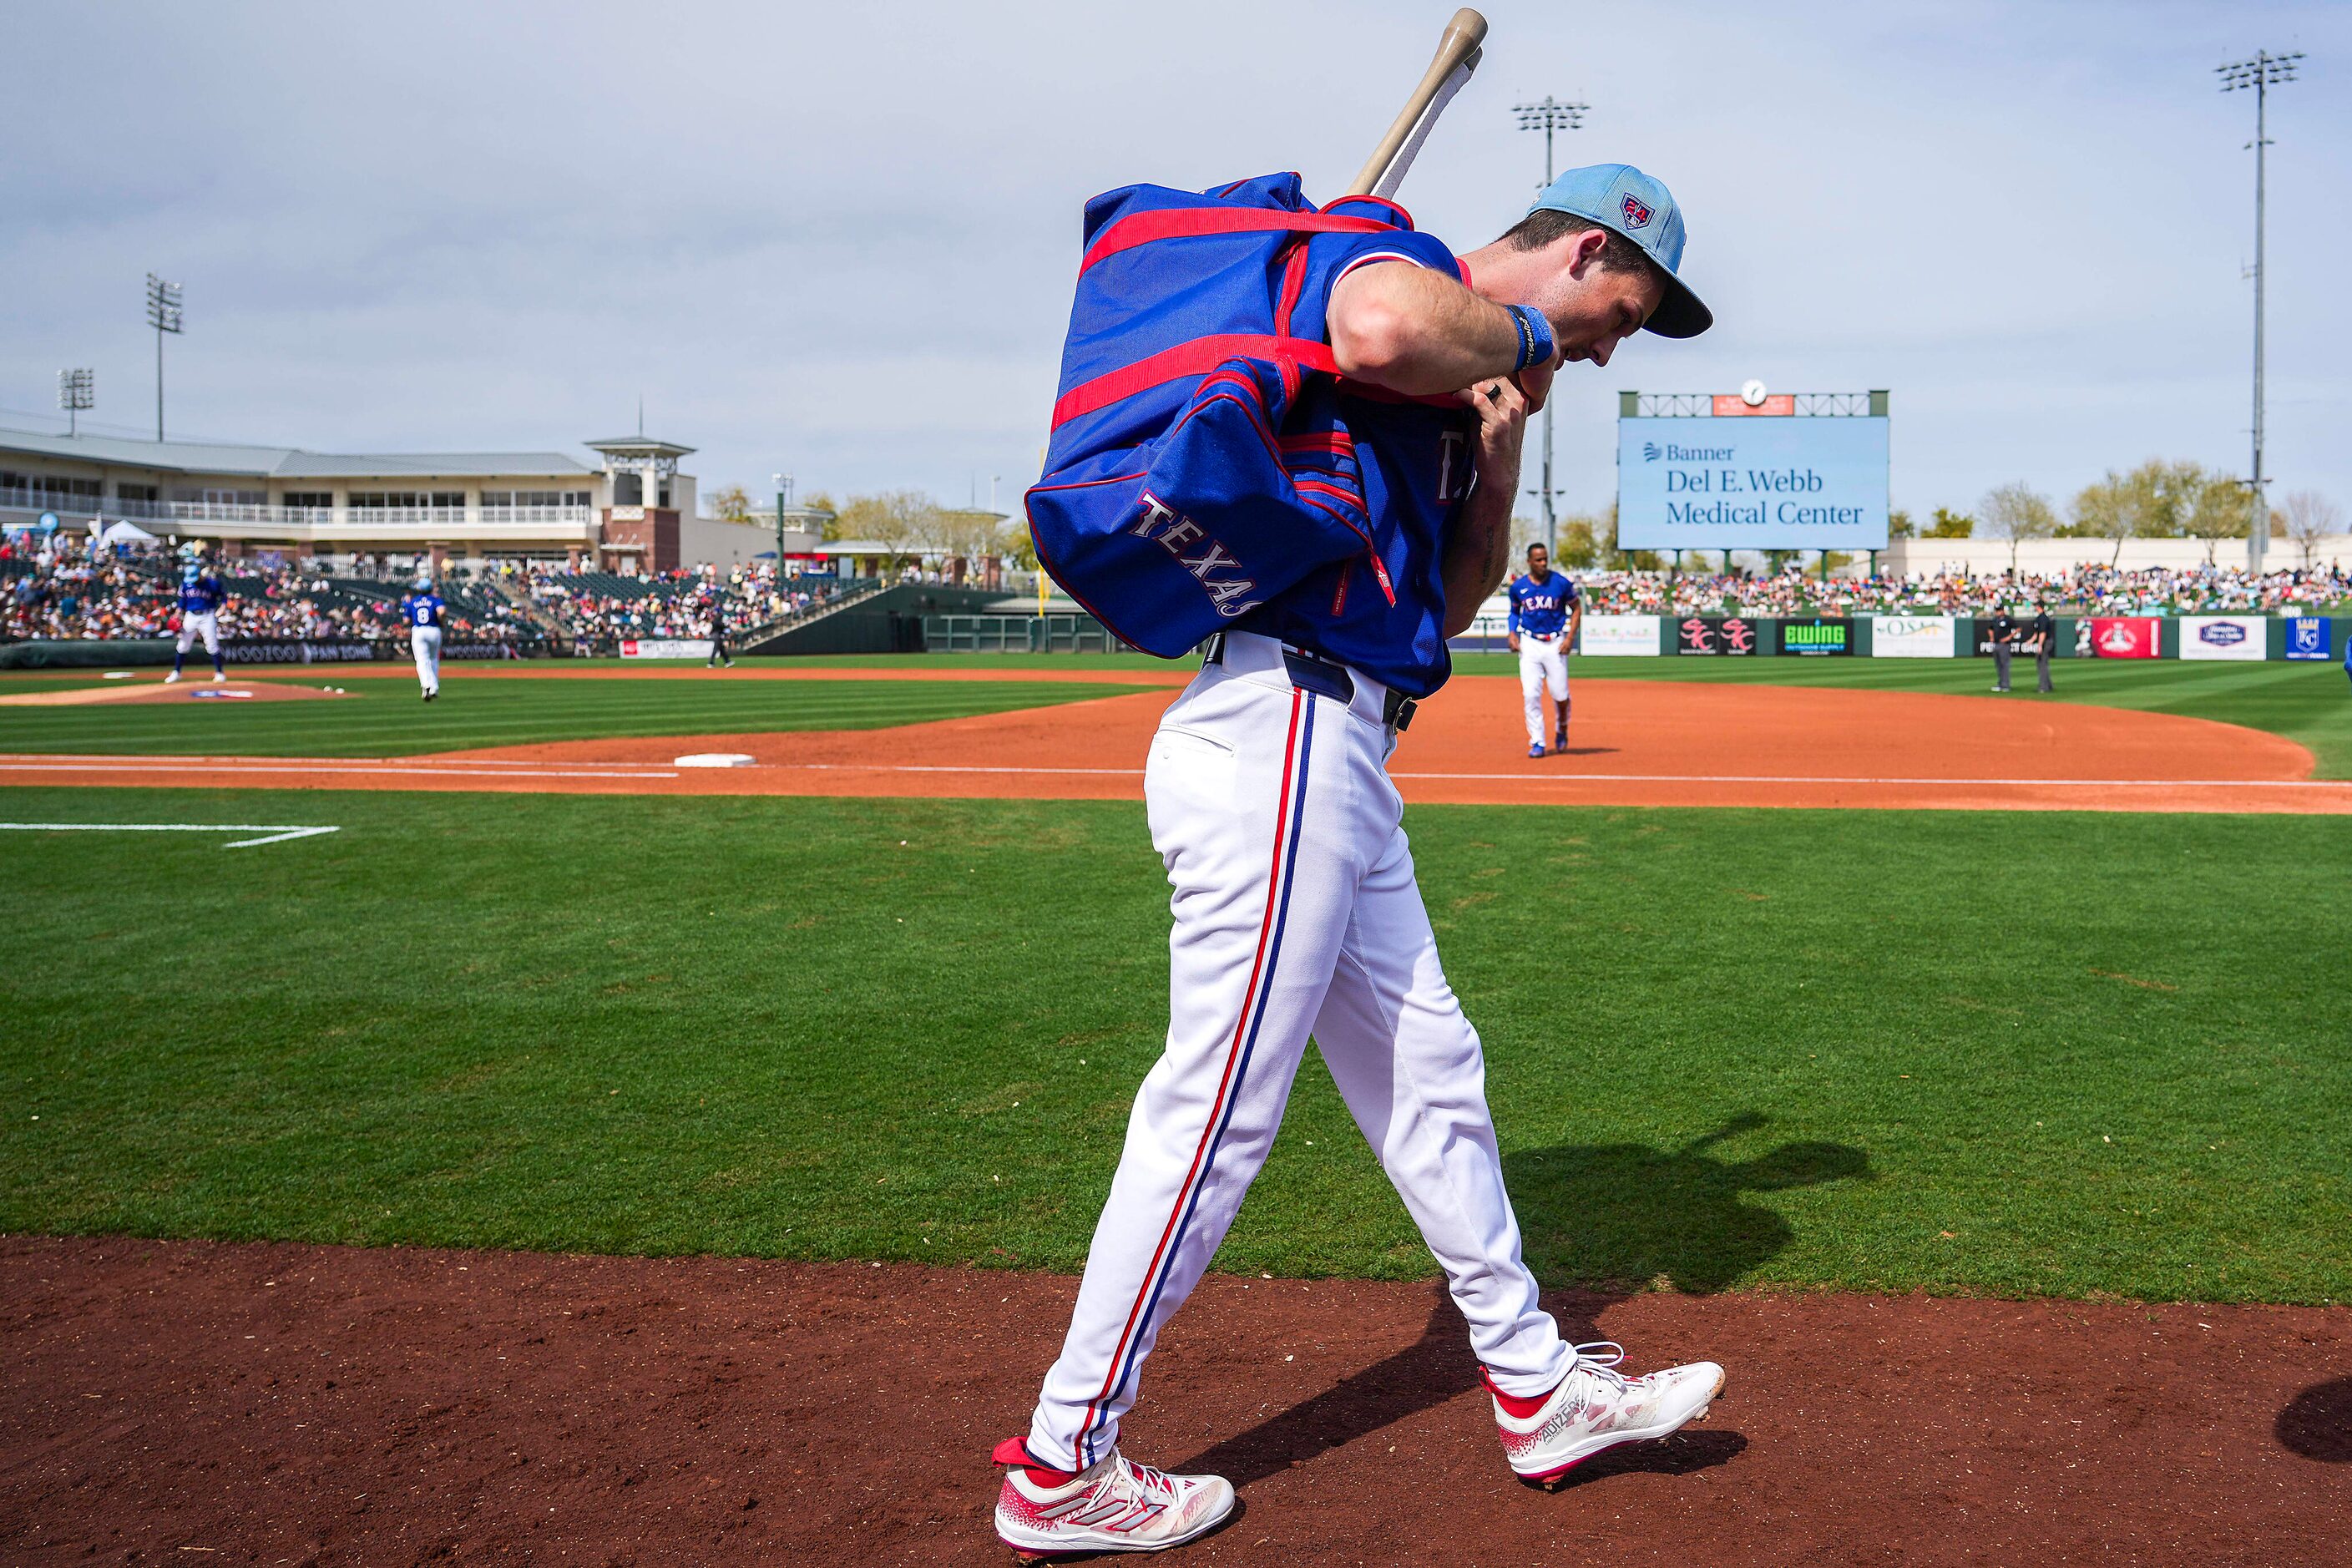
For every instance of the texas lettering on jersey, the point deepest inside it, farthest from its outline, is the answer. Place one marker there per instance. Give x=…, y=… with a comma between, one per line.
x=1540, y=608
x=1172, y=531
x=1456, y=475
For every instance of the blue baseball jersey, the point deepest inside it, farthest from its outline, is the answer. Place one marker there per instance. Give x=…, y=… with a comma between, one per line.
x=1540, y=608
x=421, y=609
x=200, y=592
x=1388, y=620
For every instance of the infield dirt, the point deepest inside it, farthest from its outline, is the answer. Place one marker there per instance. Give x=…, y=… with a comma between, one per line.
x=194, y=1402
x=1633, y=744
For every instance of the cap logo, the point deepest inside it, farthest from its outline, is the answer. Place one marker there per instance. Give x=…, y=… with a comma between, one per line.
x=1637, y=215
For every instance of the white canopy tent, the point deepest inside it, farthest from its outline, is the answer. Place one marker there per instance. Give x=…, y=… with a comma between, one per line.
x=121, y=532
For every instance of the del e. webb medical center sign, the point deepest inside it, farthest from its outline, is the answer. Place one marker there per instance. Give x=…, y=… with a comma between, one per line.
x=1789, y=482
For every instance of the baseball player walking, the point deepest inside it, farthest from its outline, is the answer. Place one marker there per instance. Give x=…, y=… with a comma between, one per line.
x=421, y=609
x=1545, y=610
x=1295, y=911
x=714, y=610
x=201, y=597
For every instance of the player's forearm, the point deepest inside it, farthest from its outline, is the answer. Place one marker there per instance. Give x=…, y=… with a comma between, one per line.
x=1417, y=331
x=1477, y=552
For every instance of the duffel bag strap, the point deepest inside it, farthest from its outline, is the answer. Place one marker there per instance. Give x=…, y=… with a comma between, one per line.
x=1191, y=223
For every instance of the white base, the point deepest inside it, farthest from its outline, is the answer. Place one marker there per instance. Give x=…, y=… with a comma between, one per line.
x=715, y=760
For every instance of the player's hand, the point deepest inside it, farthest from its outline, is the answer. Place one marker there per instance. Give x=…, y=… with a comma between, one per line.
x=1502, y=411
x=1512, y=642
x=1535, y=380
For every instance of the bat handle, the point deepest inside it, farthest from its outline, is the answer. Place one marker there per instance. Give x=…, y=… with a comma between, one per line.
x=1458, y=44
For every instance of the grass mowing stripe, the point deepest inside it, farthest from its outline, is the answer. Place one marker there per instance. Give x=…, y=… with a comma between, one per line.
x=2028, y=1053
x=386, y=717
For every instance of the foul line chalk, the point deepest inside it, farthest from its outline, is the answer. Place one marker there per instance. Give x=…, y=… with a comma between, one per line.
x=278, y=832
x=155, y=765
x=1564, y=778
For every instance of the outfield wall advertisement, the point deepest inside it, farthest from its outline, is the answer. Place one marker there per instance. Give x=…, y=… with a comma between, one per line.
x=1734, y=636
x=2306, y=638
x=1752, y=484
x=295, y=650
x=1619, y=637
x=1822, y=635
x=665, y=647
x=2126, y=637
x=2223, y=637
x=1914, y=637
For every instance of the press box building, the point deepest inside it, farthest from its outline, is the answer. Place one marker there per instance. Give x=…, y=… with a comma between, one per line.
x=630, y=511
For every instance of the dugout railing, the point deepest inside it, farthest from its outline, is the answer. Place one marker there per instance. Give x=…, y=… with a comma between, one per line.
x=1053, y=632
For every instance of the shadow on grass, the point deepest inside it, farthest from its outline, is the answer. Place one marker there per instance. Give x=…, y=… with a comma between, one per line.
x=1645, y=1213
x=1620, y=1215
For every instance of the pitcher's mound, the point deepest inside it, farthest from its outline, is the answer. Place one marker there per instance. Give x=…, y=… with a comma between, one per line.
x=159, y=691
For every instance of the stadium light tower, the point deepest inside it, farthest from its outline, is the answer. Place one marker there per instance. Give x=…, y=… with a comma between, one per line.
x=2261, y=73
x=784, y=483
x=164, y=315
x=1549, y=116
x=76, y=390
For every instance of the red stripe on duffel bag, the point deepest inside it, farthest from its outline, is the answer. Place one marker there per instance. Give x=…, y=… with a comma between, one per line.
x=1188, y=223
x=1198, y=357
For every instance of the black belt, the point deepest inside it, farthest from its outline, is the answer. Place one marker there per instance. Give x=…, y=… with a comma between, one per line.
x=1324, y=679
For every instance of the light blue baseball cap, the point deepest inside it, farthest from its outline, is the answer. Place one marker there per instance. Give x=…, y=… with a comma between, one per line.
x=1620, y=196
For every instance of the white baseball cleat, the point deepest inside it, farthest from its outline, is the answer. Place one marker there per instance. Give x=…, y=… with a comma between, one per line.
x=171, y=678
x=218, y=678
x=1596, y=1407
x=1114, y=1506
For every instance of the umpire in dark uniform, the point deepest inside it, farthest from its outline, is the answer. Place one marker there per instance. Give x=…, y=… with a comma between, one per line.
x=2042, y=634
x=716, y=609
x=2004, y=639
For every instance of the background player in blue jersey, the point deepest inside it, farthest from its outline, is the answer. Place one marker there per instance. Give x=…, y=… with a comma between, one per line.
x=1545, y=608
x=201, y=595
x=422, y=611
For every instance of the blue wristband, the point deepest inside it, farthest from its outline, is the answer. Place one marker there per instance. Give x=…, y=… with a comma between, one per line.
x=1536, y=345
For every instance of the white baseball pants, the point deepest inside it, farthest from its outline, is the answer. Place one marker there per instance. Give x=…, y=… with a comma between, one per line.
x=199, y=623
x=425, y=642
x=1543, y=667
x=1296, y=911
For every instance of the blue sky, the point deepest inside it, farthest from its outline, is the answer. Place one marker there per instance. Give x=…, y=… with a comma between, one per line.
x=839, y=240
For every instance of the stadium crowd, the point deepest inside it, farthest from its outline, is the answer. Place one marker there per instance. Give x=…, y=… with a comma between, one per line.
x=49, y=593
x=76, y=594
x=2084, y=590
x=680, y=604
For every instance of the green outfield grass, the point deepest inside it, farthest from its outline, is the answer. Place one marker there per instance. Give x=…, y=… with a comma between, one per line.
x=385, y=716
x=2024, y=1053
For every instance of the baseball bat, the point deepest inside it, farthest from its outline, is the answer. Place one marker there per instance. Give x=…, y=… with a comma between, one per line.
x=1457, y=55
